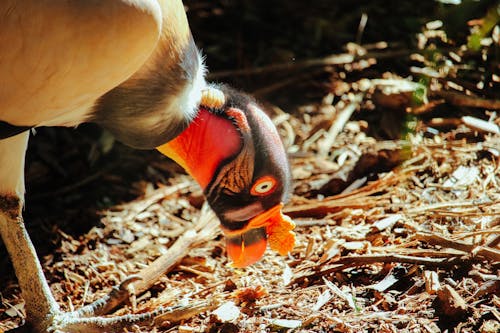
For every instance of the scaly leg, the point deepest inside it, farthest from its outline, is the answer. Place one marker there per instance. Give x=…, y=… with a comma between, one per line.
x=43, y=312
x=40, y=303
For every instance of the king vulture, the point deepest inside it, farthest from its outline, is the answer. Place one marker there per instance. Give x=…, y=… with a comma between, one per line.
x=132, y=67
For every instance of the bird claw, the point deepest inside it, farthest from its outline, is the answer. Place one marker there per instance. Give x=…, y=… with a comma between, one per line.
x=107, y=303
x=131, y=279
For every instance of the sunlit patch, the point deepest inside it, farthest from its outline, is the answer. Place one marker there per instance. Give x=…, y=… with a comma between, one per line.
x=264, y=185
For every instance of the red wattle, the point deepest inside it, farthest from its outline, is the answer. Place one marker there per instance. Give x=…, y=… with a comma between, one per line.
x=203, y=145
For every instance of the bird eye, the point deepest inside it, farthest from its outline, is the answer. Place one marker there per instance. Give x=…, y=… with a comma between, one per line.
x=264, y=185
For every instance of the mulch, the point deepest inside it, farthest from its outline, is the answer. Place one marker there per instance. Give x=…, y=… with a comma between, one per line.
x=396, y=199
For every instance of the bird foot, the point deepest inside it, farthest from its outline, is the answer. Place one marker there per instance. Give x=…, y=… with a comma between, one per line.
x=43, y=312
x=72, y=322
x=91, y=319
x=66, y=322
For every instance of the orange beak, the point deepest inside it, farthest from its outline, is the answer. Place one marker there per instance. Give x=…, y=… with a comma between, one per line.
x=247, y=246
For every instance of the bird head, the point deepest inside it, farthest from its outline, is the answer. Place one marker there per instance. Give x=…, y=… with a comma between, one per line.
x=233, y=150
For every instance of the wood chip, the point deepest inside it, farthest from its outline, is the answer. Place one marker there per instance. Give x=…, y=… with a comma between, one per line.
x=450, y=303
x=462, y=176
x=343, y=295
x=431, y=279
x=323, y=298
x=287, y=275
x=388, y=281
x=15, y=310
x=386, y=223
x=286, y=323
x=227, y=312
x=188, y=329
x=490, y=326
x=481, y=125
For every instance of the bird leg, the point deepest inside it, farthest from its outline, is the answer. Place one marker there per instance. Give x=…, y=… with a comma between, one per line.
x=40, y=304
x=42, y=311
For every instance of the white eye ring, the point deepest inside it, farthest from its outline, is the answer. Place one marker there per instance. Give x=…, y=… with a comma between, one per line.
x=264, y=187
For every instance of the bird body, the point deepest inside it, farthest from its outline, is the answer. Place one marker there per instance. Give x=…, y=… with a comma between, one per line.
x=132, y=67
x=79, y=61
x=64, y=60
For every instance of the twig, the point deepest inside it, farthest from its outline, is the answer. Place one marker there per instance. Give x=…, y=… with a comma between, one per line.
x=392, y=257
x=360, y=198
x=349, y=261
x=487, y=252
x=434, y=239
x=427, y=107
x=420, y=252
x=146, y=278
x=261, y=92
x=475, y=250
x=72, y=187
x=439, y=206
x=206, y=227
x=460, y=99
x=138, y=206
x=493, y=242
x=335, y=59
x=494, y=230
x=184, y=312
x=341, y=118
x=318, y=208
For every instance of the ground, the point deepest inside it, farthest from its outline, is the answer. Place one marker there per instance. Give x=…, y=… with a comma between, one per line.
x=394, y=141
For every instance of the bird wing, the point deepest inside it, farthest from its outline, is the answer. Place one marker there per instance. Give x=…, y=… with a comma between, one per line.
x=58, y=57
